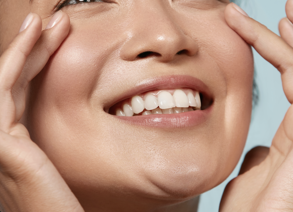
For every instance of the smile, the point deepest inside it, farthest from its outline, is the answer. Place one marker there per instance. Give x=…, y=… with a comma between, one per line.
x=160, y=102
x=168, y=101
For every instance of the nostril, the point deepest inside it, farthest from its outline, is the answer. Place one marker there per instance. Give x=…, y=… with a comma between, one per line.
x=182, y=52
x=148, y=54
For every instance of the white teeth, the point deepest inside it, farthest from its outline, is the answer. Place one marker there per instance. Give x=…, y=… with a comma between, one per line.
x=127, y=110
x=145, y=113
x=150, y=102
x=165, y=100
x=191, y=99
x=162, y=103
x=120, y=113
x=197, y=100
x=180, y=99
x=168, y=111
x=177, y=110
x=157, y=111
x=137, y=104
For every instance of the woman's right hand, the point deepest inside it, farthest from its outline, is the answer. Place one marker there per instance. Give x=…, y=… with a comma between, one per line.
x=265, y=183
x=28, y=179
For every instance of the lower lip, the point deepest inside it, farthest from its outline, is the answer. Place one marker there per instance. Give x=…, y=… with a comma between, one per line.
x=180, y=120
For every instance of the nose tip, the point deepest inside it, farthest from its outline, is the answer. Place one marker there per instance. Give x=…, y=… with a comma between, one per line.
x=163, y=41
x=163, y=47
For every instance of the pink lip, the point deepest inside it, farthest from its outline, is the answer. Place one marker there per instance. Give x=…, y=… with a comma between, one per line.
x=187, y=119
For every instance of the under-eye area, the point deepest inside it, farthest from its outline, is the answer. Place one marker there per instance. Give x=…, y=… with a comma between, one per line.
x=171, y=101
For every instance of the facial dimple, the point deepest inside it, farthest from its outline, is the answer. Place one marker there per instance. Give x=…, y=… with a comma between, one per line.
x=159, y=102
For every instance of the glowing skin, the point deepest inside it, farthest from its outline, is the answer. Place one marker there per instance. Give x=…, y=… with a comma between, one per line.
x=108, y=162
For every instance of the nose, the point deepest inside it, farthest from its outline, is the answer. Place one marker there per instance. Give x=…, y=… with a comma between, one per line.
x=154, y=32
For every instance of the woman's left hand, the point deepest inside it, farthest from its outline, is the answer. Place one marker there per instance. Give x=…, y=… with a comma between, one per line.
x=265, y=182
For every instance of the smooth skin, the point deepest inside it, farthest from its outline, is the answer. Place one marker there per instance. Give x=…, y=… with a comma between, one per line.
x=30, y=181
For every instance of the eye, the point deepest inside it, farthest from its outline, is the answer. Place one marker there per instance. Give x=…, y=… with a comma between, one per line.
x=64, y=3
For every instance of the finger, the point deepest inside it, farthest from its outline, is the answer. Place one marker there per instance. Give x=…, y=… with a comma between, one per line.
x=285, y=25
x=289, y=10
x=269, y=45
x=286, y=31
x=30, y=64
x=11, y=64
x=282, y=142
x=47, y=44
x=13, y=59
x=253, y=158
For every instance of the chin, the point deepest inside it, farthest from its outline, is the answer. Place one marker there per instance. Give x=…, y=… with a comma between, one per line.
x=177, y=180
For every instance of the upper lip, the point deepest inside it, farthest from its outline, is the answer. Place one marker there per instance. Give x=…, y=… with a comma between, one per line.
x=164, y=82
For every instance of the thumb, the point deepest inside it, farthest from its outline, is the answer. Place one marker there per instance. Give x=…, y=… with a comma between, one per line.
x=253, y=158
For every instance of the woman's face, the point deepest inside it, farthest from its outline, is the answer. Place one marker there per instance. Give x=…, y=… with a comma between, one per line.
x=122, y=48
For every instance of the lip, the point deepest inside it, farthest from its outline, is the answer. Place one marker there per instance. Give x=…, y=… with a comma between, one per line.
x=165, y=82
x=186, y=119
x=180, y=120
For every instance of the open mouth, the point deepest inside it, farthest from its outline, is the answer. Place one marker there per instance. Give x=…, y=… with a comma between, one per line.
x=164, y=101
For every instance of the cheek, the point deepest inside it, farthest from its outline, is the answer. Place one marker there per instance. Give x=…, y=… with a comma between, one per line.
x=217, y=41
x=75, y=69
x=234, y=61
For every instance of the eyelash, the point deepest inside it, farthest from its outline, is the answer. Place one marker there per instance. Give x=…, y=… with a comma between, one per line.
x=64, y=3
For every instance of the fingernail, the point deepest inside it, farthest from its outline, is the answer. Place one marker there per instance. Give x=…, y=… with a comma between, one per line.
x=54, y=20
x=239, y=9
x=26, y=22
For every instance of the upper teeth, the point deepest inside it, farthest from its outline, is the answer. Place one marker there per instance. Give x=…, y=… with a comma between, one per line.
x=161, y=102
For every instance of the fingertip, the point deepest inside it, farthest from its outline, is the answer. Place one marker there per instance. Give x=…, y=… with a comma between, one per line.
x=31, y=21
x=63, y=25
x=284, y=25
x=286, y=30
x=27, y=21
x=37, y=22
x=234, y=9
x=289, y=9
x=52, y=37
x=234, y=14
x=56, y=18
x=60, y=21
x=30, y=32
x=66, y=22
x=238, y=9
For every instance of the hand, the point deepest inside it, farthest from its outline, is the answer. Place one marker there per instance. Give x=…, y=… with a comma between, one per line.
x=28, y=179
x=265, y=182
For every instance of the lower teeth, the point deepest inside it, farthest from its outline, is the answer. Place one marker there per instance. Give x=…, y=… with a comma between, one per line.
x=164, y=111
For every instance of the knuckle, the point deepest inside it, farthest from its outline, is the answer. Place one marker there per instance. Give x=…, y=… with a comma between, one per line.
x=14, y=47
x=45, y=47
x=256, y=33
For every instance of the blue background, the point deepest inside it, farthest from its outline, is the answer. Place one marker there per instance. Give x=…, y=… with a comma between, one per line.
x=272, y=104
